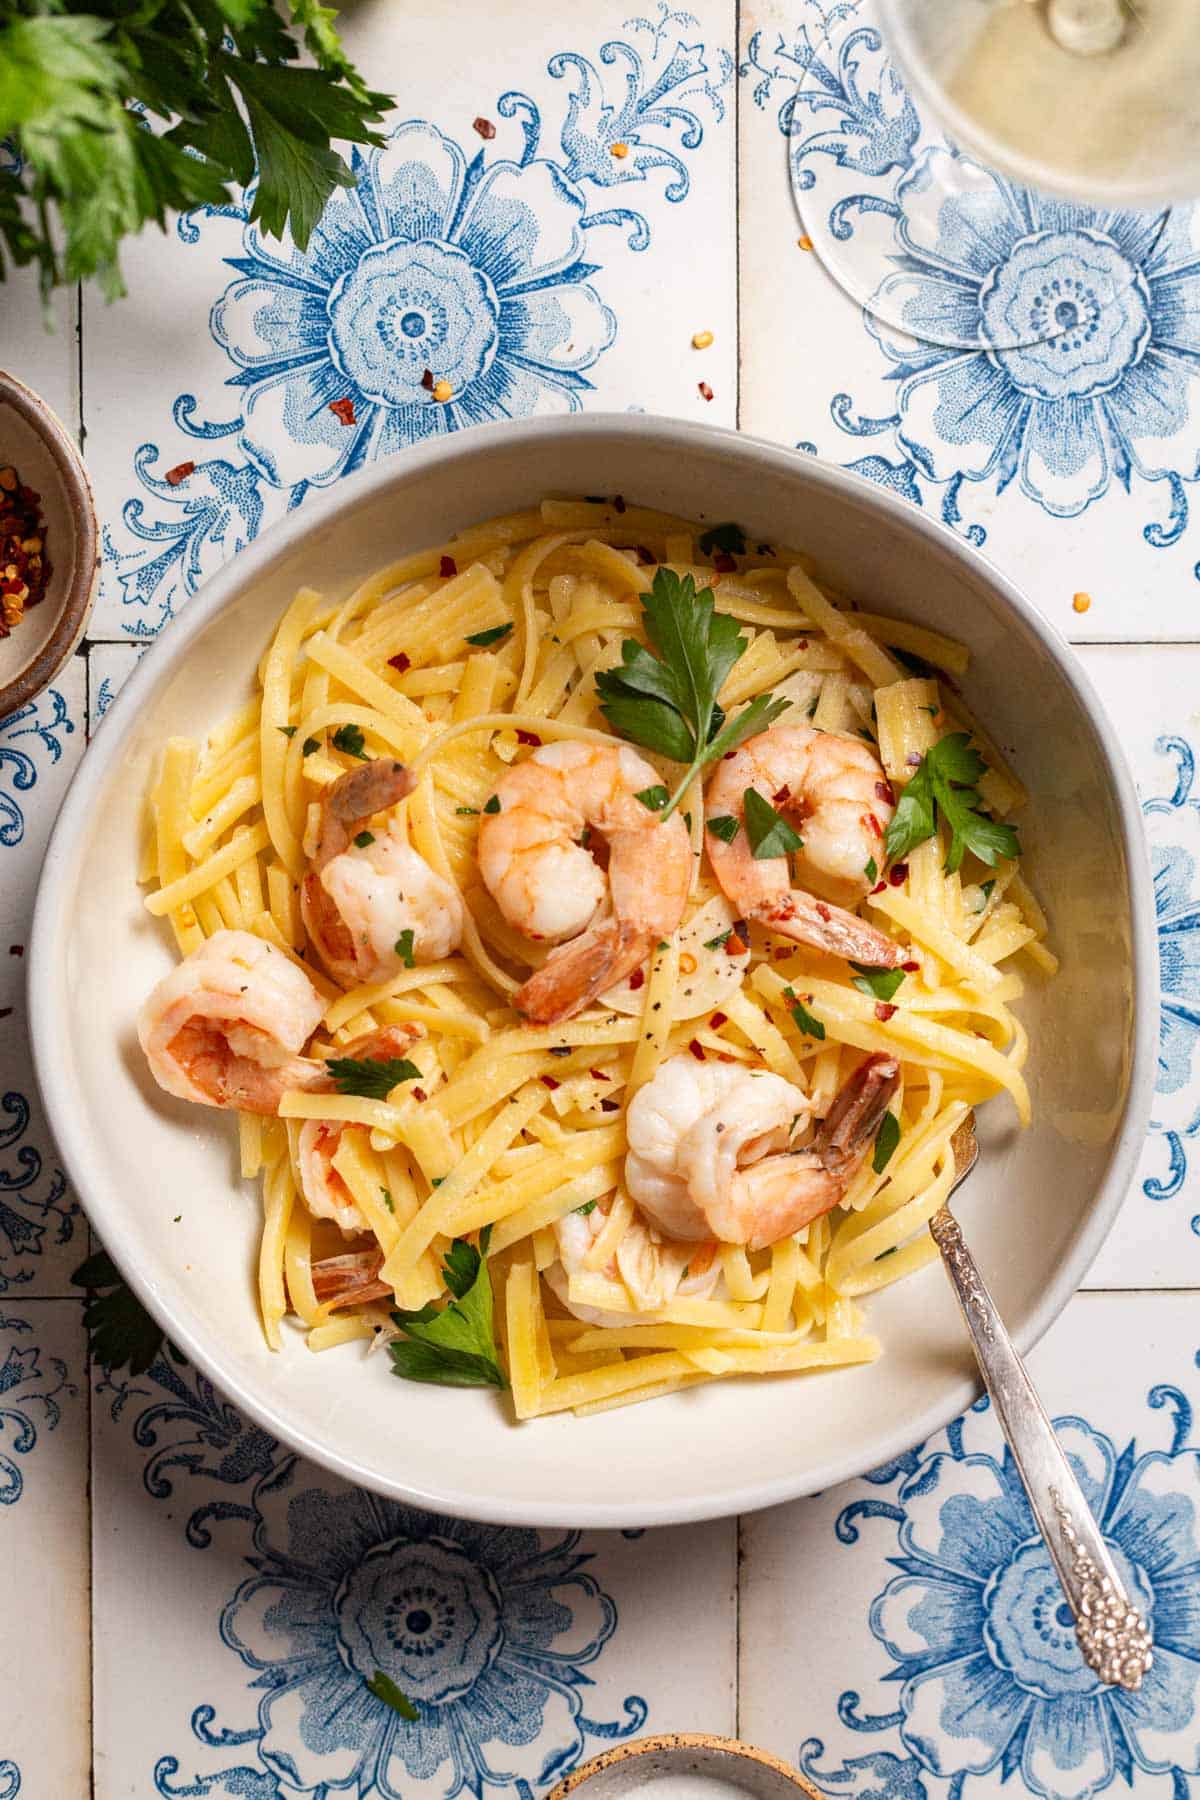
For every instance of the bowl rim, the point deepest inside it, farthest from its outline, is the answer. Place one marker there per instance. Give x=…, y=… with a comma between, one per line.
x=248, y=566
x=719, y=1748
x=77, y=602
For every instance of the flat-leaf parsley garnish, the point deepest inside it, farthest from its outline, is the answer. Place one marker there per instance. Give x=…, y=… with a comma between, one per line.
x=349, y=740
x=728, y=537
x=805, y=1021
x=653, y=797
x=881, y=984
x=668, y=702
x=371, y=1078
x=453, y=1345
x=769, y=833
x=723, y=826
x=947, y=782
x=121, y=1333
x=483, y=638
x=886, y=1139
x=404, y=948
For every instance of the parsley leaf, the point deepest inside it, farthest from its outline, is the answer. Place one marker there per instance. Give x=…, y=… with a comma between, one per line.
x=363, y=839
x=718, y=943
x=881, y=984
x=807, y=1022
x=453, y=1345
x=871, y=869
x=492, y=805
x=371, y=1078
x=947, y=782
x=655, y=798
x=723, y=826
x=484, y=638
x=404, y=948
x=728, y=537
x=289, y=731
x=385, y=1689
x=886, y=1139
x=349, y=740
x=769, y=834
x=121, y=1333
x=665, y=698
x=310, y=746
x=587, y=1207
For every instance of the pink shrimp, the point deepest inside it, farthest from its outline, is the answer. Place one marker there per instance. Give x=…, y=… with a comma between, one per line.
x=325, y=1193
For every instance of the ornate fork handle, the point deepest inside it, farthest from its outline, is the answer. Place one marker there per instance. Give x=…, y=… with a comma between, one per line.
x=1111, y=1633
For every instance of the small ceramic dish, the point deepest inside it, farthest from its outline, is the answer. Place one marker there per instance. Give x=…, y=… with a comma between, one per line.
x=36, y=443
x=159, y=1178
x=686, y=1765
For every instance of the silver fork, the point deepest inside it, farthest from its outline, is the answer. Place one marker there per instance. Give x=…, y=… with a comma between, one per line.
x=1111, y=1632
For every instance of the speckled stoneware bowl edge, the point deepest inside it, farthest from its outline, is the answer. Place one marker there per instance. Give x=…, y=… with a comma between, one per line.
x=76, y=605
x=691, y=1752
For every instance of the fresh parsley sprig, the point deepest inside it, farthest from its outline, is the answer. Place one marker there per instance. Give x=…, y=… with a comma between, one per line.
x=947, y=782
x=119, y=114
x=453, y=1345
x=121, y=1333
x=668, y=702
x=372, y=1078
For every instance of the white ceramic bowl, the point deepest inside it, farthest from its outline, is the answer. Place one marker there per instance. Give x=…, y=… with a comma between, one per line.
x=1036, y=1209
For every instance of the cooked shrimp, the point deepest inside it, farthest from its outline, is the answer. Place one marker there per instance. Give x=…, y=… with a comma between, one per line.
x=708, y=1152
x=350, y=1280
x=653, y=1270
x=226, y=1026
x=835, y=791
x=365, y=890
x=535, y=856
x=322, y=1188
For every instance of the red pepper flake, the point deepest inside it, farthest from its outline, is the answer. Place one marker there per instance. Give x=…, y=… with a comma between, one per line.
x=599, y=1075
x=898, y=874
x=419, y=1093
x=447, y=567
x=724, y=1056
x=878, y=888
x=723, y=563
x=399, y=662
x=548, y=1081
x=884, y=1010
x=884, y=791
x=781, y=952
x=706, y=392
x=823, y=911
x=637, y=979
x=343, y=410
x=16, y=949
x=718, y=1019
x=619, y=503
x=697, y=1049
x=179, y=473
x=529, y=737
x=782, y=797
x=485, y=128
x=427, y=380
x=29, y=495
x=870, y=823
x=644, y=555
x=607, y=1105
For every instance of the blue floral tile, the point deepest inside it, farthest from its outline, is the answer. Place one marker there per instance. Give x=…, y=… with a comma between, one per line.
x=1071, y=461
x=506, y=263
x=1150, y=693
x=45, y=1743
x=108, y=666
x=522, y=1652
x=939, y=1660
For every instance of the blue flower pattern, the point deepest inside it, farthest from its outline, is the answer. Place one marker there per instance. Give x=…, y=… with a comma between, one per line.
x=38, y=726
x=1109, y=398
x=31, y=1384
x=1177, y=902
x=447, y=288
x=34, y=1198
x=981, y=1642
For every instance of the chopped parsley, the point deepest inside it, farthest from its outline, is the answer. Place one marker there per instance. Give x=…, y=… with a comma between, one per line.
x=492, y=805
x=363, y=839
x=467, y=812
x=723, y=826
x=310, y=746
x=886, y=1139
x=718, y=943
x=587, y=1207
x=728, y=537
x=453, y=1345
x=770, y=834
x=655, y=798
x=370, y=1078
x=404, y=948
x=881, y=984
x=871, y=869
x=947, y=782
x=387, y=1199
x=807, y=1022
x=289, y=731
x=483, y=638
x=349, y=740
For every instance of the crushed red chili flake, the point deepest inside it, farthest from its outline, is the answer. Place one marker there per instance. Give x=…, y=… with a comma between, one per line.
x=718, y=1019
x=883, y=790
x=427, y=380
x=485, y=128
x=343, y=409
x=644, y=555
x=781, y=952
x=548, y=1081
x=529, y=737
x=599, y=1075
x=179, y=473
x=884, y=1010
x=24, y=570
x=697, y=1049
x=607, y=1105
x=823, y=911
x=706, y=392
x=447, y=567
x=911, y=968
x=399, y=662
x=16, y=949
x=637, y=979
x=878, y=888
x=782, y=797
x=419, y=1094
x=898, y=874
x=723, y=563
x=871, y=823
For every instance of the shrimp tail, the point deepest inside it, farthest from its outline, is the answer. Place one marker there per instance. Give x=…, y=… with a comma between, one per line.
x=576, y=972
x=354, y=796
x=807, y=920
x=856, y=1114
x=248, y=1087
x=349, y=1280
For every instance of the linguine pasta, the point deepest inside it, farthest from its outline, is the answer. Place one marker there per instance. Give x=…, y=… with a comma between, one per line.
x=456, y=661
